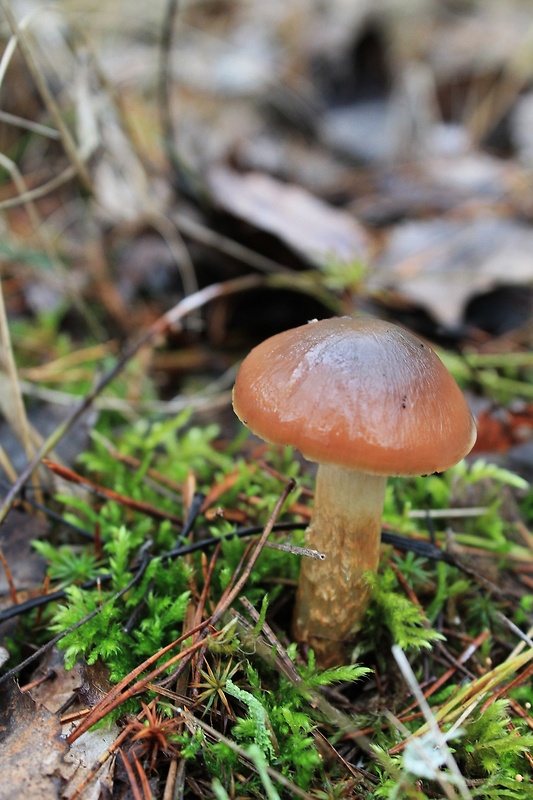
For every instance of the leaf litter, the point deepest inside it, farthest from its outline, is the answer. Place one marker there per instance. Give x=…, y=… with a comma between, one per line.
x=32, y=748
x=281, y=73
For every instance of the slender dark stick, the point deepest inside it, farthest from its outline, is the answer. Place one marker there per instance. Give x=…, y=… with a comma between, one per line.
x=38, y=653
x=424, y=549
x=160, y=327
x=229, y=596
x=187, y=182
x=188, y=525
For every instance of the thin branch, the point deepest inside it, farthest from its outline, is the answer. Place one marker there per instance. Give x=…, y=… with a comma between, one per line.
x=38, y=653
x=158, y=329
x=399, y=541
x=40, y=191
x=187, y=181
x=28, y=125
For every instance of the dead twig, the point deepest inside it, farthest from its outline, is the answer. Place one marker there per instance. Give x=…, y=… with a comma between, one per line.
x=38, y=653
x=171, y=319
x=128, y=502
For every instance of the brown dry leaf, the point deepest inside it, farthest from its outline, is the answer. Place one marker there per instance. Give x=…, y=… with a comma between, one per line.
x=317, y=231
x=31, y=747
x=441, y=264
x=500, y=428
x=52, y=694
x=27, y=567
x=80, y=760
x=43, y=419
x=61, y=684
x=455, y=44
x=121, y=187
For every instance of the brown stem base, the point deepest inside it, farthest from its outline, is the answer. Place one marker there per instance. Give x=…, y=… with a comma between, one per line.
x=333, y=594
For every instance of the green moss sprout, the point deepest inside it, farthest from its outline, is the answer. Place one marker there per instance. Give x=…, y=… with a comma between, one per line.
x=260, y=719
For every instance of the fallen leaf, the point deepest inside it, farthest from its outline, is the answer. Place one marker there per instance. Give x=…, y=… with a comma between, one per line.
x=44, y=418
x=317, y=231
x=441, y=264
x=474, y=175
x=501, y=428
x=16, y=534
x=95, y=683
x=362, y=131
x=52, y=694
x=80, y=760
x=60, y=685
x=31, y=751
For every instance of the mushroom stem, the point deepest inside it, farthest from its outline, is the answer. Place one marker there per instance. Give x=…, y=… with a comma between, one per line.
x=333, y=594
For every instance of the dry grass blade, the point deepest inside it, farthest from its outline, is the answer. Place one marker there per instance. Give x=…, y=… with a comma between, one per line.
x=229, y=247
x=526, y=637
x=503, y=691
x=193, y=723
x=57, y=368
x=11, y=402
x=437, y=737
x=68, y=174
x=26, y=197
x=19, y=33
x=488, y=111
x=134, y=786
x=28, y=125
x=176, y=245
x=445, y=677
x=41, y=234
x=7, y=466
x=472, y=694
x=117, y=696
x=209, y=399
x=147, y=793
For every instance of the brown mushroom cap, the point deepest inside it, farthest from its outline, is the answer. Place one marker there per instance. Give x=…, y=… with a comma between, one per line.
x=358, y=393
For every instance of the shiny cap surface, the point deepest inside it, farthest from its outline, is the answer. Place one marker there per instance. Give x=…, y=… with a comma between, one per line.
x=359, y=393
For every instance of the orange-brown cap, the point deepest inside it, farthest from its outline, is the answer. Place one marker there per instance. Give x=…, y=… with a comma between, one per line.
x=359, y=393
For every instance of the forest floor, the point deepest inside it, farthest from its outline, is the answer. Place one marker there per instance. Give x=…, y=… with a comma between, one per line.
x=180, y=182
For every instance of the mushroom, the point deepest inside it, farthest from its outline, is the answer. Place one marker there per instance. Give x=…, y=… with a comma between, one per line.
x=365, y=399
